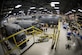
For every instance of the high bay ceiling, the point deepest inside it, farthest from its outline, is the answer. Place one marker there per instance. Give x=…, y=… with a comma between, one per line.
x=65, y=5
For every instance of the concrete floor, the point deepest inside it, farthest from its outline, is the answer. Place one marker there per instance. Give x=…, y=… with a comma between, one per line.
x=61, y=47
x=45, y=47
x=41, y=48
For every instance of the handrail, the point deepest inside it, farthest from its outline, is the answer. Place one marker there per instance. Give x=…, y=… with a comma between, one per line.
x=13, y=35
x=38, y=29
x=57, y=35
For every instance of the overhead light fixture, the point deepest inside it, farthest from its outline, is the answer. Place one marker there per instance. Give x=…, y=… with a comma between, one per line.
x=35, y=11
x=56, y=7
x=56, y=2
x=53, y=4
x=21, y=11
x=18, y=6
x=10, y=12
x=73, y=10
x=68, y=13
x=14, y=14
x=32, y=7
x=45, y=9
x=48, y=11
x=41, y=8
x=79, y=10
x=58, y=11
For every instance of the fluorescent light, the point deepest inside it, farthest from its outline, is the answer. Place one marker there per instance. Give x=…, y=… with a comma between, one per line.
x=53, y=4
x=45, y=9
x=48, y=11
x=32, y=7
x=10, y=12
x=80, y=10
x=57, y=11
x=41, y=8
x=18, y=6
x=21, y=11
x=56, y=7
x=14, y=14
x=73, y=10
x=35, y=11
x=68, y=12
x=56, y=2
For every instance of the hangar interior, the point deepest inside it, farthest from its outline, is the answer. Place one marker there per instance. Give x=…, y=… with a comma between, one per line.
x=40, y=27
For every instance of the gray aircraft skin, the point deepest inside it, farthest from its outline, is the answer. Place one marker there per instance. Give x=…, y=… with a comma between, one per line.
x=50, y=20
x=14, y=28
x=24, y=18
x=27, y=23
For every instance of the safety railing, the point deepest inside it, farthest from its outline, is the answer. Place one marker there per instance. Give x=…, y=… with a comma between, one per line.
x=57, y=35
x=79, y=25
x=37, y=31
